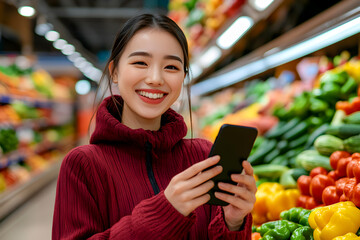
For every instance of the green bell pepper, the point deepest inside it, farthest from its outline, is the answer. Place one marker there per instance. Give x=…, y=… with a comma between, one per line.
x=302, y=233
x=297, y=215
x=280, y=233
x=274, y=225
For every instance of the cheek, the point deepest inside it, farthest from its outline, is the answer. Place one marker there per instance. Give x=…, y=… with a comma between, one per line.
x=176, y=83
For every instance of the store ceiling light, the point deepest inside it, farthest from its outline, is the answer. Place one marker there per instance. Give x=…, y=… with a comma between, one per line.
x=83, y=87
x=234, y=32
x=68, y=49
x=336, y=34
x=209, y=57
x=59, y=44
x=72, y=57
x=52, y=36
x=43, y=28
x=26, y=11
x=261, y=5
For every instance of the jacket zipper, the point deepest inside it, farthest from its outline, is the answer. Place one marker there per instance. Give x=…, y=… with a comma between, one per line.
x=149, y=168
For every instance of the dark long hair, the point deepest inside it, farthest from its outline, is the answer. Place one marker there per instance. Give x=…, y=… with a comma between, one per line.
x=123, y=37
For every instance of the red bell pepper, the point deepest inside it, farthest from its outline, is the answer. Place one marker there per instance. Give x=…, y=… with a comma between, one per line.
x=318, y=184
x=336, y=156
x=349, y=107
x=350, y=168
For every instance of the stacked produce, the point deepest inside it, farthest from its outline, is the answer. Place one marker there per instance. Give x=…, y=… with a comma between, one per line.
x=31, y=137
x=201, y=19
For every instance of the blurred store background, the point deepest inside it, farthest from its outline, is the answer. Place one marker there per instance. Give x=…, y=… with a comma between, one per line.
x=251, y=61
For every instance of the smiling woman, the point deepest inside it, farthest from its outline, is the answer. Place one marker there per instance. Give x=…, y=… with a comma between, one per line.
x=139, y=178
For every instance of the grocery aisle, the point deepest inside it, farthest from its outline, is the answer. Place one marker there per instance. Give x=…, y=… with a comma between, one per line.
x=33, y=220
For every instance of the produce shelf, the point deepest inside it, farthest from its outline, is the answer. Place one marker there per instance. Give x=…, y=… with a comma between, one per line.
x=15, y=196
x=277, y=52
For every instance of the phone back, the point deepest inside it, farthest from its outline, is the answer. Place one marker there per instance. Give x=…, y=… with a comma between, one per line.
x=233, y=143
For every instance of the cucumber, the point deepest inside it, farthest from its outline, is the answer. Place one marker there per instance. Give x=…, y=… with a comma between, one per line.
x=259, y=155
x=280, y=160
x=273, y=132
x=269, y=171
x=271, y=155
x=297, y=131
x=285, y=128
x=282, y=146
x=299, y=141
x=344, y=130
x=318, y=132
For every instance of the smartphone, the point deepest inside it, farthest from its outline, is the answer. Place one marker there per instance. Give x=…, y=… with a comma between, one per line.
x=233, y=144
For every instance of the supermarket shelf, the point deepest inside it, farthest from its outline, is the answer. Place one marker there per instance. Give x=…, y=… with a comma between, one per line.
x=12, y=198
x=37, y=103
x=277, y=52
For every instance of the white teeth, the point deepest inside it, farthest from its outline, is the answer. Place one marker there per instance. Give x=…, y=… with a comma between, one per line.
x=151, y=95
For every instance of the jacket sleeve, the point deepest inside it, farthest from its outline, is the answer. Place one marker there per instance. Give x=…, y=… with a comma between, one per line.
x=218, y=229
x=77, y=216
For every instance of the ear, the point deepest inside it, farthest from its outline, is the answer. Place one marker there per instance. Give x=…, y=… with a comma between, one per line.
x=111, y=68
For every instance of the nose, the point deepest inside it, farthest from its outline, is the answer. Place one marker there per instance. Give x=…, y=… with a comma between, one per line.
x=155, y=77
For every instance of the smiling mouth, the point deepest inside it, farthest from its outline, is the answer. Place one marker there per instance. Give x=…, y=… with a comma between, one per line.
x=151, y=95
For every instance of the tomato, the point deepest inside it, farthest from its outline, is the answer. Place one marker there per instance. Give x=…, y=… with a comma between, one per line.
x=349, y=187
x=329, y=195
x=303, y=184
x=318, y=184
x=333, y=174
x=340, y=184
x=355, y=155
x=356, y=171
x=317, y=171
x=342, y=164
x=336, y=156
x=311, y=203
x=343, y=198
x=350, y=168
x=301, y=201
x=356, y=195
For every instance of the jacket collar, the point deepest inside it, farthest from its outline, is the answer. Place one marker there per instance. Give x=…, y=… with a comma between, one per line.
x=110, y=129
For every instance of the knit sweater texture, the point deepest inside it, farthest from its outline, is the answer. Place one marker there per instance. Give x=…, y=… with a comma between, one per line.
x=113, y=188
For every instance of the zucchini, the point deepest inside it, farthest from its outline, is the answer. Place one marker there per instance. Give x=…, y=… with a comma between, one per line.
x=338, y=118
x=327, y=144
x=344, y=130
x=318, y=132
x=285, y=128
x=310, y=159
x=297, y=172
x=353, y=118
x=299, y=141
x=352, y=144
x=297, y=131
x=265, y=147
x=269, y=171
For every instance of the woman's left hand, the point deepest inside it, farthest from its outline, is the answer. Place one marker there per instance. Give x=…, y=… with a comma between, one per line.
x=241, y=200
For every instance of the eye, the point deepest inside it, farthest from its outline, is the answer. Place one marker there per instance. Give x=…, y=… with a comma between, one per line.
x=172, y=67
x=140, y=63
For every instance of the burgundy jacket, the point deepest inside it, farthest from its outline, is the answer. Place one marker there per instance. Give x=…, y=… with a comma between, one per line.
x=113, y=188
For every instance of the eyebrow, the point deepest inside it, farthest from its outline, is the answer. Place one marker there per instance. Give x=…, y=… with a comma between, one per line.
x=146, y=54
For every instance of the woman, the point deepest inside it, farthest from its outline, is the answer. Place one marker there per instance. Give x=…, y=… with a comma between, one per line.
x=138, y=178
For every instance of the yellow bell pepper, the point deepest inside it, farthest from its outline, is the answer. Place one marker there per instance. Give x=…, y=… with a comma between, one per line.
x=271, y=200
x=334, y=220
x=348, y=236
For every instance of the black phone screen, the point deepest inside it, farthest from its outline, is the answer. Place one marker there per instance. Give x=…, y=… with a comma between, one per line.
x=233, y=144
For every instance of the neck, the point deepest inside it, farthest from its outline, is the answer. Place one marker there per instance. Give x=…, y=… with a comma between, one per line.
x=133, y=122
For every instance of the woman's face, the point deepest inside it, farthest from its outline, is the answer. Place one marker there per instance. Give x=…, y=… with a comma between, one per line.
x=150, y=74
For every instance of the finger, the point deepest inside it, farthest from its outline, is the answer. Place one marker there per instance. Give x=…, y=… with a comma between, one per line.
x=240, y=192
x=204, y=176
x=198, y=167
x=235, y=201
x=200, y=200
x=198, y=191
x=248, y=168
x=245, y=181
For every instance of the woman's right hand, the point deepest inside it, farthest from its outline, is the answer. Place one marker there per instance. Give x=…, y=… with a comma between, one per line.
x=188, y=189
